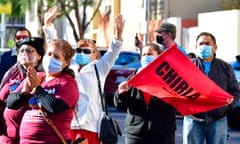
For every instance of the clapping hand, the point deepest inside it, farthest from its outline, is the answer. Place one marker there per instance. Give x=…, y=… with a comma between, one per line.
x=32, y=80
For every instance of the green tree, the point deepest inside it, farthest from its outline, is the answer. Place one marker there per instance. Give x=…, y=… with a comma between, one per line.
x=19, y=8
x=230, y=4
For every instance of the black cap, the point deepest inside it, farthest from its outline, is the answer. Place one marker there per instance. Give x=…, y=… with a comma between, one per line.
x=35, y=42
x=167, y=27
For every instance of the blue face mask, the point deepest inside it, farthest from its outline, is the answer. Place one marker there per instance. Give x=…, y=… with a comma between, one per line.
x=145, y=60
x=204, y=51
x=82, y=59
x=51, y=65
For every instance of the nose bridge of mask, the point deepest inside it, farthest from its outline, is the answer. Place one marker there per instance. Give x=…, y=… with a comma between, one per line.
x=51, y=65
x=55, y=61
x=145, y=60
x=205, y=47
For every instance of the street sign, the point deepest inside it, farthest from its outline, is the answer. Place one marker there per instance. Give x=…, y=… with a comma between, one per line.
x=6, y=8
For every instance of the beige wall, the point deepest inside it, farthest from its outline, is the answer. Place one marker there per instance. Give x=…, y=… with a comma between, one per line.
x=190, y=8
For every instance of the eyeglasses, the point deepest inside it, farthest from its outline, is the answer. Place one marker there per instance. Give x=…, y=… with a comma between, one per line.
x=19, y=37
x=85, y=50
x=27, y=50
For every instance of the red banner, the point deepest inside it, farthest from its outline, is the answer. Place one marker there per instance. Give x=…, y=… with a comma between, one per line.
x=173, y=78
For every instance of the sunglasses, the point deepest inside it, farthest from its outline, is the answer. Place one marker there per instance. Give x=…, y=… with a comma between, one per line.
x=27, y=50
x=85, y=50
x=19, y=37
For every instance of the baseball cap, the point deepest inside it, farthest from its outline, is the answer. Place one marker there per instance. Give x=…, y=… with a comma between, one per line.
x=167, y=27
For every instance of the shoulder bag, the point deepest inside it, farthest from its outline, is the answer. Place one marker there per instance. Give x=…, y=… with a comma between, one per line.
x=109, y=128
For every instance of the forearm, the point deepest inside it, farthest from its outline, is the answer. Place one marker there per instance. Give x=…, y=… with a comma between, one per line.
x=107, y=60
x=16, y=100
x=50, y=102
x=50, y=33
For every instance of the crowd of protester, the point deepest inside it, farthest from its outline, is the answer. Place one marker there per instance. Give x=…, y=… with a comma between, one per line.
x=47, y=79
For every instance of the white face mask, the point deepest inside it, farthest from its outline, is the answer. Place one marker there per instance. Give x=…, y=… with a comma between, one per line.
x=51, y=65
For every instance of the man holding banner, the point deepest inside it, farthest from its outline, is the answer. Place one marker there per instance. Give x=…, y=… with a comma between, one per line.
x=211, y=126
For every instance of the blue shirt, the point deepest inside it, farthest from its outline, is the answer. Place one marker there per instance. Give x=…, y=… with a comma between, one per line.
x=207, y=66
x=180, y=48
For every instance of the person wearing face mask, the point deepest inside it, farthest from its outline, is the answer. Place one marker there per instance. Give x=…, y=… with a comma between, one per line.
x=89, y=108
x=211, y=127
x=30, y=53
x=54, y=91
x=9, y=58
x=149, y=120
x=166, y=35
x=89, y=105
x=86, y=52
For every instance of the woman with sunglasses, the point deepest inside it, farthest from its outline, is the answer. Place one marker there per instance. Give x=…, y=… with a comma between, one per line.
x=89, y=108
x=30, y=55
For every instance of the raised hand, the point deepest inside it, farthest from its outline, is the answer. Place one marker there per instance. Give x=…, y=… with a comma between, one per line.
x=119, y=24
x=50, y=15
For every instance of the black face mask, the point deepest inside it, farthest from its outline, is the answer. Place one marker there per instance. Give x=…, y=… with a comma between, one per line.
x=159, y=39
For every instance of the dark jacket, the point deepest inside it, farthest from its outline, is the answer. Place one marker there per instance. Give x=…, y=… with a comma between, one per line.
x=6, y=61
x=222, y=74
x=152, y=123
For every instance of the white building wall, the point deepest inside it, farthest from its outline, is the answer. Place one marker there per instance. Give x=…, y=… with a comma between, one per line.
x=225, y=26
x=134, y=15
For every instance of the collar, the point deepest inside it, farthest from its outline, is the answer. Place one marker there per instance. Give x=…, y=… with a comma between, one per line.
x=88, y=67
x=14, y=51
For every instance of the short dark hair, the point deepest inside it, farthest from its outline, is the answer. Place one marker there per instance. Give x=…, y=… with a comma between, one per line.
x=22, y=29
x=207, y=34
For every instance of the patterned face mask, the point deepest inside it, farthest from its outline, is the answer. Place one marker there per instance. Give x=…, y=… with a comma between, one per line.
x=204, y=51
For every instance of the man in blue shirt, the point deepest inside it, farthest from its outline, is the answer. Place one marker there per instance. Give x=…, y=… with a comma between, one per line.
x=211, y=127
